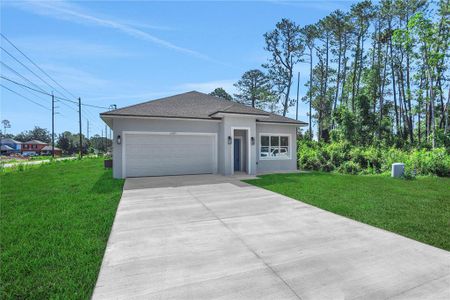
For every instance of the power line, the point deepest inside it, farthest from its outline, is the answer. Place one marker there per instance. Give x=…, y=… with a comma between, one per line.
x=45, y=93
x=27, y=90
x=23, y=85
x=48, y=94
x=36, y=88
x=30, y=60
x=25, y=97
x=26, y=67
x=95, y=106
x=21, y=76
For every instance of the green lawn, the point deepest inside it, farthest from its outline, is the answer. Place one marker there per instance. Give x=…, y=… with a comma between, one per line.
x=55, y=222
x=418, y=209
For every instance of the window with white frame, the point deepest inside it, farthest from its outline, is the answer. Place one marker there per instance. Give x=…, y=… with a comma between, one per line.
x=274, y=146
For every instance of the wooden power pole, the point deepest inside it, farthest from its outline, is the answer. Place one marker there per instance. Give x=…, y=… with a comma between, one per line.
x=53, y=125
x=298, y=90
x=79, y=121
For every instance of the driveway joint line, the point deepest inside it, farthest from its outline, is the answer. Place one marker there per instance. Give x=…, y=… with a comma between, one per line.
x=246, y=245
x=417, y=286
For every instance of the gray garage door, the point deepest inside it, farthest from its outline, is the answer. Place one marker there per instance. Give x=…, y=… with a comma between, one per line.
x=169, y=154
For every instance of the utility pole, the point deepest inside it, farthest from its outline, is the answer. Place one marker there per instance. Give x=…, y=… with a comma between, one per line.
x=298, y=89
x=111, y=107
x=103, y=141
x=106, y=138
x=53, y=125
x=87, y=129
x=79, y=120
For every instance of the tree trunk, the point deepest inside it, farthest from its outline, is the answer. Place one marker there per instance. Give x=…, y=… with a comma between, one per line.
x=383, y=81
x=361, y=64
x=310, y=90
x=446, y=113
x=344, y=75
x=441, y=98
x=432, y=122
x=337, y=81
x=408, y=94
x=355, y=68
x=393, y=84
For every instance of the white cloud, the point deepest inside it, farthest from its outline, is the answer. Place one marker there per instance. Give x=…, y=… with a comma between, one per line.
x=64, y=10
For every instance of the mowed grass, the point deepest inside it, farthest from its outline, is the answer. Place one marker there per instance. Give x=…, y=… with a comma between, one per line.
x=55, y=223
x=418, y=209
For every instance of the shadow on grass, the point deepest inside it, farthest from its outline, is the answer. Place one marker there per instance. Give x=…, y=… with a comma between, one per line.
x=284, y=178
x=105, y=183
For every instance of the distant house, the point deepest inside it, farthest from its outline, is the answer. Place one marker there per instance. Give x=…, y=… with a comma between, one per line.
x=9, y=146
x=47, y=150
x=5, y=149
x=33, y=147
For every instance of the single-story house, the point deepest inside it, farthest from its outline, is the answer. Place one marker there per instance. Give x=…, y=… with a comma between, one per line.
x=15, y=146
x=196, y=133
x=6, y=150
x=47, y=150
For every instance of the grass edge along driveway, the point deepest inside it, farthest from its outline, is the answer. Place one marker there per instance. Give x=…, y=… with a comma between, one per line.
x=55, y=223
x=418, y=209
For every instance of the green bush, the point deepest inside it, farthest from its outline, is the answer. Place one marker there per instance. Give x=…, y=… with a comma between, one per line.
x=349, y=167
x=346, y=158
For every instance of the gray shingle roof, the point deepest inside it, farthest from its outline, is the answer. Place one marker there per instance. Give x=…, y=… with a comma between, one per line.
x=10, y=141
x=35, y=142
x=194, y=105
x=49, y=148
x=5, y=148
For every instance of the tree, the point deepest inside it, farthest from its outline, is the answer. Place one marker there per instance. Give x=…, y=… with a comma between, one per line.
x=221, y=93
x=6, y=124
x=286, y=48
x=65, y=142
x=38, y=133
x=340, y=27
x=361, y=14
x=69, y=143
x=309, y=35
x=99, y=143
x=379, y=73
x=426, y=33
x=253, y=89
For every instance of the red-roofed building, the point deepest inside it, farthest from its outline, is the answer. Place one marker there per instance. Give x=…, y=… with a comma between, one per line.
x=33, y=146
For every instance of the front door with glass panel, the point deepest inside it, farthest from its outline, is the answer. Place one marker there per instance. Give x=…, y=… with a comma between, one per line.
x=237, y=154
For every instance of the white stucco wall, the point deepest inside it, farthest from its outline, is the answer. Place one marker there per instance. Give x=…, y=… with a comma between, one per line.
x=238, y=122
x=277, y=164
x=223, y=129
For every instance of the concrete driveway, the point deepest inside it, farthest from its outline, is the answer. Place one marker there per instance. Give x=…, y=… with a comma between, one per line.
x=214, y=237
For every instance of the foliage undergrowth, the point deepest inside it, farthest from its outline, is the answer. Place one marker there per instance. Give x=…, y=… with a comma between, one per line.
x=345, y=158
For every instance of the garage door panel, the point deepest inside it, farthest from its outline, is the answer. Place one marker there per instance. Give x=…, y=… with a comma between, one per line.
x=171, y=154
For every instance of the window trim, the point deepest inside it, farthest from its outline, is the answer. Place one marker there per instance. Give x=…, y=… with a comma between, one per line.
x=289, y=136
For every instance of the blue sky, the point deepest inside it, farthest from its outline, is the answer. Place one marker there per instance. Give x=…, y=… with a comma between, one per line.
x=127, y=52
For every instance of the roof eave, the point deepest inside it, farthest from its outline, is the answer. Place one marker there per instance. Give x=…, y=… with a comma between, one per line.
x=298, y=124
x=224, y=113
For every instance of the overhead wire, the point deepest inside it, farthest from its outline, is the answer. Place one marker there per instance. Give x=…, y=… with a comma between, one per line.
x=36, y=65
x=25, y=97
x=37, y=89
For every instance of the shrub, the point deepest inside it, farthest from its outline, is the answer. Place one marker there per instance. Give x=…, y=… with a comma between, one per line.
x=349, y=167
x=346, y=158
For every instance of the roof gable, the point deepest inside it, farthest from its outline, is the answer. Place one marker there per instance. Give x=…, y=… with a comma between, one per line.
x=10, y=141
x=193, y=105
x=35, y=142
